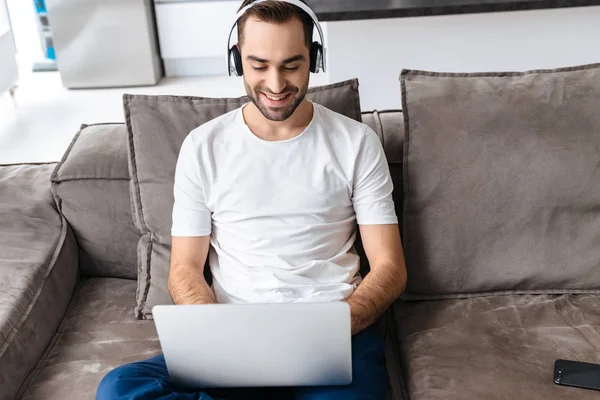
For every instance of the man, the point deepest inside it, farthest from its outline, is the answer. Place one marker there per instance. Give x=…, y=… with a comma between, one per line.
x=271, y=193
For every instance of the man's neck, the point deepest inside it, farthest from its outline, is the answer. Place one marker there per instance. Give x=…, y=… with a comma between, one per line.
x=269, y=130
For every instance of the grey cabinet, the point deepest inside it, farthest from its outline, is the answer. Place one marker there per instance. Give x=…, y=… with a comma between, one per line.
x=105, y=43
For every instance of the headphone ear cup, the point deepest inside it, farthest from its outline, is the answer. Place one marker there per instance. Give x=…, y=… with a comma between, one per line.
x=316, y=51
x=236, y=59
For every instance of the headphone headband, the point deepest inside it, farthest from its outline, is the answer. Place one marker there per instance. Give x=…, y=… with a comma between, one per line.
x=296, y=3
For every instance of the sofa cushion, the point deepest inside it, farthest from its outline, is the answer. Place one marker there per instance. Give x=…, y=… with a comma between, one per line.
x=496, y=347
x=157, y=126
x=38, y=270
x=501, y=174
x=91, y=185
x=98, y=334
x=389, y=126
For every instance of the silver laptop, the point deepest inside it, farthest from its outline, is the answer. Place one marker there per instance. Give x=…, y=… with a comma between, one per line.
x=250, y=345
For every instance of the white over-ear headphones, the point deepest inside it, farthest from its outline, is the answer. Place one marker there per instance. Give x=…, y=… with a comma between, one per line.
x=317, y=50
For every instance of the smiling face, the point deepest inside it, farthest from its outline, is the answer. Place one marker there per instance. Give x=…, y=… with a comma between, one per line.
x=276, y=66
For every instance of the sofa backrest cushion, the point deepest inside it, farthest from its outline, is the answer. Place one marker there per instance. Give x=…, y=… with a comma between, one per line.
x=501, y=182
x=91, y=186
x=157, y=126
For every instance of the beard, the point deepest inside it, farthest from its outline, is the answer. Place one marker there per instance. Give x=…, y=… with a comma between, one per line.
x=277, y=114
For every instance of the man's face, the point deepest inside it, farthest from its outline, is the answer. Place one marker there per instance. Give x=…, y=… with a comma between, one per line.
x=276, y=66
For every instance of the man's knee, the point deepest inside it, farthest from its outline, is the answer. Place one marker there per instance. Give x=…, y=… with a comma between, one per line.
x=108, y=384
x=119, y=381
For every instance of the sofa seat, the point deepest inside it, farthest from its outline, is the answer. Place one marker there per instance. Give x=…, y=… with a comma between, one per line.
x=496, y=347
x=99, y=332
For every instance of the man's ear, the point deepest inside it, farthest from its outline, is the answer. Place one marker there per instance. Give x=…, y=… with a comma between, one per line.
x=237, y=55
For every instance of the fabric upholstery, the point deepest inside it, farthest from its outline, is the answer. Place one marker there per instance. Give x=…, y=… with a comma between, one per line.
x=389, y=126
x=501, y=174
x=98, y=334
x=38, y=270
x=91, y=185
x=496, y=347
x=157, y=126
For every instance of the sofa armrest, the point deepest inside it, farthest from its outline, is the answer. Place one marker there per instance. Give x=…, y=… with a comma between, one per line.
x=38, y=270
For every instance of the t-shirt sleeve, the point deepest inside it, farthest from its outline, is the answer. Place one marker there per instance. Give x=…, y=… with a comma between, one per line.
x=191, y=216
x=372, y=189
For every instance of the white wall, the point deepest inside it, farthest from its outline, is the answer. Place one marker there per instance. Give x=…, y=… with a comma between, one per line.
x=375, y=51
x=4, y=25
x=8, y=63
x=25, y=32
x=193, y=37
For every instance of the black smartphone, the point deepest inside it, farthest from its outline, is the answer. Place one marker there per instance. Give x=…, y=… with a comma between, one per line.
x=577, y=374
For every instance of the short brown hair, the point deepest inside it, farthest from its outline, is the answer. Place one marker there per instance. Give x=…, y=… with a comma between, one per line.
x=276, y=12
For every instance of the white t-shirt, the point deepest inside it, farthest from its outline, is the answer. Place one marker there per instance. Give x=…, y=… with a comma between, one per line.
x=282, y=215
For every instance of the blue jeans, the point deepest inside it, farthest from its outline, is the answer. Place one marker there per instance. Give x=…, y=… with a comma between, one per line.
x=149, y=379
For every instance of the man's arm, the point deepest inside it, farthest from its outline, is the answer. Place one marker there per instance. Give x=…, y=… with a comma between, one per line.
x=186, y=274
x=386, y=280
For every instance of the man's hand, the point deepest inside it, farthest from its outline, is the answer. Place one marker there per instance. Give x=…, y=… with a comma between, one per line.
x=386, y=280
x=186, y=273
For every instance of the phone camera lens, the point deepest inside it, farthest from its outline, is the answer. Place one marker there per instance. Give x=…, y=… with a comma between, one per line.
x=559, y=377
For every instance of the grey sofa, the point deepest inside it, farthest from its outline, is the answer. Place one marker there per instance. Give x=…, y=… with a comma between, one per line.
x=503, y=256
